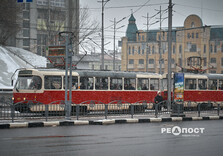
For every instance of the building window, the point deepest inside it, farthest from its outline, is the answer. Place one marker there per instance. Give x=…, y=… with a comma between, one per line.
x=131, y=61
x=26, y=32
x=213, y=60
x=222, y=61
x=133, y=49
x=151, y=61
x=192, y=35
x=25, y=14
x=193, y=48
x=197, y=35
x=205, y=48
x=141, y=61
x=211, y=48
x=38, y=50
x=129, y=50
x=139, y=50
x=143, y=38
x=26, y=42
x=215, y=48
x=188, y=35
x=192, y=25
x=180, y=62
x=143, y=51
x=153, y=50
x=174, y=49
x=26, y=24
x=180, y=49
x=149, y=50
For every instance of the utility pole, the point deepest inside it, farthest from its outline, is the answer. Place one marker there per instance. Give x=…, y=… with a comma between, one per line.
x=114, y=45
x=102, y=33
x=160, y=59
x=169, y=53
x=68, y=58
x=102, y=37
x=147, y=47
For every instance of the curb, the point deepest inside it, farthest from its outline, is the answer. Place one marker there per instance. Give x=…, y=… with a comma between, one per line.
x=104, y=122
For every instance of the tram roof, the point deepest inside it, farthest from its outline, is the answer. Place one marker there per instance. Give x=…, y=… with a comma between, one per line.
x=94, y=73
x=215, y=76
x=116, y=74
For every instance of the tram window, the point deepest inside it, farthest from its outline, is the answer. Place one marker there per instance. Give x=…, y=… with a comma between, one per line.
x=212, y=85
x=129, y=84
x=190, y=84
x=202, y=84
x=74, y=82
x=87, y=83
x=29, y=83
x=143, y=84
x=154, y=84
x=53, y=82
x=101, y=83
x=220, y=87
x=116, y=84
x=164, y=83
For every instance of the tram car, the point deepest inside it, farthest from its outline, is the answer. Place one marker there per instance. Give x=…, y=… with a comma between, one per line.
x=47, y=87
x=204, y=89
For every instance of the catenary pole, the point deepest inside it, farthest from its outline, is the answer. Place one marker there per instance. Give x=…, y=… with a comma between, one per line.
x=169, y=52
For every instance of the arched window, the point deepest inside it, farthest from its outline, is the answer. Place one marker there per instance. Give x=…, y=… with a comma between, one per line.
x=192, y=25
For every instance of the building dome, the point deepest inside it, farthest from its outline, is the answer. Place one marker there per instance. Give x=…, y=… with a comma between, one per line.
x=131, y=29
x=193, y=21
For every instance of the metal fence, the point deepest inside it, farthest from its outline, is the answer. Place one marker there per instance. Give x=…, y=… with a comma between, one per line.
x=34, y=110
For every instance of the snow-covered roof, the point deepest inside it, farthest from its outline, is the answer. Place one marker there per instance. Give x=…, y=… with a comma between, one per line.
x=11, y=59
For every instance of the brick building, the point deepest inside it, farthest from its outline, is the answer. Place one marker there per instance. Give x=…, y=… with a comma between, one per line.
x=148, y=51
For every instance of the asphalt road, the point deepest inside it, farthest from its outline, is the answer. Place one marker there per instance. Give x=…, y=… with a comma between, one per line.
x=116, y=140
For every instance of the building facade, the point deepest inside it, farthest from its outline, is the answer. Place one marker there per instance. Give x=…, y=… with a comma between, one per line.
x=42, y=20
x=194, y=46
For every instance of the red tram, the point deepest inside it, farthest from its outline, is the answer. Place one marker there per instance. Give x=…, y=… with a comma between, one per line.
x=48, y=85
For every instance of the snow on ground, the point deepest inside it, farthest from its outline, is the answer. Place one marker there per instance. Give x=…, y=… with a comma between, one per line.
x=11, y=59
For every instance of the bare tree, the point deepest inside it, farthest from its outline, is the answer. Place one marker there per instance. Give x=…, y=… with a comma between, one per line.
x=82, y=29
x=9, y=15
x=87, y=26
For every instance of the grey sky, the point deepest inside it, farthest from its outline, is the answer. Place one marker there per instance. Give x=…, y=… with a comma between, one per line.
x=210, y=11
